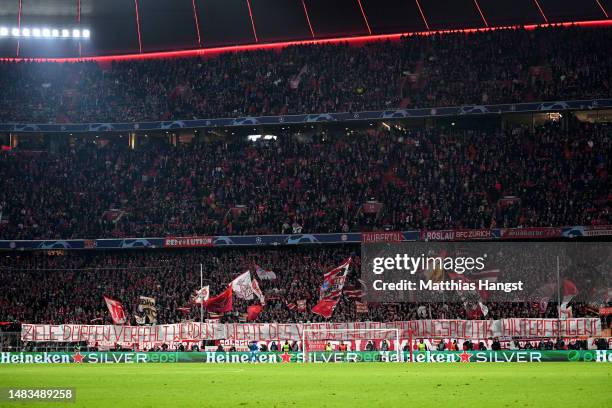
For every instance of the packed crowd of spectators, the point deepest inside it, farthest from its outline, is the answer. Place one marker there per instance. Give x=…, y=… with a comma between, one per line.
x=512, y=65
x=69, y=288
x=424, y=178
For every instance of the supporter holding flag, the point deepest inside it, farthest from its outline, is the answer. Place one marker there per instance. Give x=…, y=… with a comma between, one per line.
x=222, y=303
x=331, y=289
x=117, y=312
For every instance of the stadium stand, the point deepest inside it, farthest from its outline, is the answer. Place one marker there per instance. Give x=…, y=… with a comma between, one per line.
x=510, y=65
x=331, y=179
x=424, y=178
x=70, y=288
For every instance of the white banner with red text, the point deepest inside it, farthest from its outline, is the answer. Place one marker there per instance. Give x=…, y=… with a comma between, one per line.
x=194, y=331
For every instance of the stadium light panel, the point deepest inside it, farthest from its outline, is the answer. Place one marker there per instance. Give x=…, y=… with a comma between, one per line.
x=39, y=32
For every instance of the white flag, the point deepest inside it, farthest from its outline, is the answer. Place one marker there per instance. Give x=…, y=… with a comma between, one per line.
x=264, y=274
x=565, y=311
x=483, y=308
x=117, y=312
x=243, y=287
x=258, y=292
x=201, y=295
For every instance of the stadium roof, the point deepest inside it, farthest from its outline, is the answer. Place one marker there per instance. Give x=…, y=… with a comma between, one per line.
x=144, y=26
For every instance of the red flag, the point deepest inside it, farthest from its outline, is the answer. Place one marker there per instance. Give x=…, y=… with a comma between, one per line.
x=253, y=311
x=361, y=307
x=325, y=307
x=115, y=307
x=569, y=291
x=329, y=294
x=221, y=303
x=353, y=292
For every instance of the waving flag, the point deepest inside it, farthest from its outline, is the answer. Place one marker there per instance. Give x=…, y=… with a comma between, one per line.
x=117, y=312
x=331, y=289
x=202, y=295
x=264, y=274
x=253, y=311
x=242, y=286
x=484, y=309
x=353, y=292
x=147, y=310
x=257, y=291
x=221, y=303
x=491, y=275
x=569, y=290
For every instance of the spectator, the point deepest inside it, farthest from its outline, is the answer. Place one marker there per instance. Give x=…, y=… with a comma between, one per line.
x=91, y=192
x=502, y=66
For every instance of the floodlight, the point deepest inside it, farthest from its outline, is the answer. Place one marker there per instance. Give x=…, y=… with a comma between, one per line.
x=4, y=31
x=25, y=32
x=46, y=32
x=65, y=33
x=36, y=32
x=76, y=33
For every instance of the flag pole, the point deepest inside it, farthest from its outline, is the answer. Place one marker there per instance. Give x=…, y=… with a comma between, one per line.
x=201, y=303
x=558, y=296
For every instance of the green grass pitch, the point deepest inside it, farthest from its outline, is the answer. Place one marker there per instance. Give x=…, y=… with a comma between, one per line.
x=567, y=385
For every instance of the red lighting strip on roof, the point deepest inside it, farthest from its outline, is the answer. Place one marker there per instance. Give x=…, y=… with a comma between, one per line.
x=602, y=8
x=252, y=21
x=79, y=21
x=308, y=19
x=481, y=14
x=138, y=26
x=18, y=25
x=279, y=45
x=364, y=17
x=197, y=22
x=422, y=15
x=541, y=11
